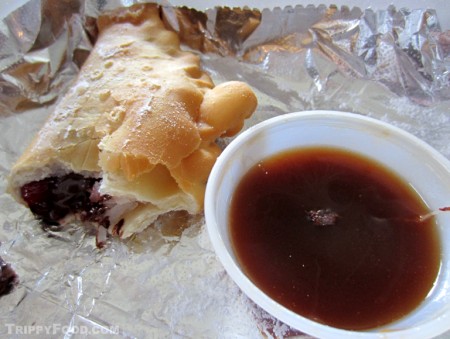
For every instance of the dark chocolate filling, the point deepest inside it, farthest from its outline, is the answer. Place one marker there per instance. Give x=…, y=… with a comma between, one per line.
x=54, y=198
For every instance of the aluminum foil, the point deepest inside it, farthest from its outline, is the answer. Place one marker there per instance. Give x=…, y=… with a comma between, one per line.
x=391, y=64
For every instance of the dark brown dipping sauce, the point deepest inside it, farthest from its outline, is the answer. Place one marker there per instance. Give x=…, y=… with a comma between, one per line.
x=335, y=237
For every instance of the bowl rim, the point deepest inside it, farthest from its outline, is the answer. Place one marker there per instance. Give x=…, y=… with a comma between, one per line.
x=434, y=327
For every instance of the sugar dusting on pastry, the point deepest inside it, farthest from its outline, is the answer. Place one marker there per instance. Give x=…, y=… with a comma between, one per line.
x=144, y=118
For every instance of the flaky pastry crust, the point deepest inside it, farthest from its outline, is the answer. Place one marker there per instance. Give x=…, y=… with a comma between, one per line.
x=142, y=116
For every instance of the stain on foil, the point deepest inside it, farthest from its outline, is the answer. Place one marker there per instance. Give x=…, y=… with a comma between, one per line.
x=391, y=64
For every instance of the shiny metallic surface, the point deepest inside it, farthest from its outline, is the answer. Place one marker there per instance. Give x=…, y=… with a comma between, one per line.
x=390, y=64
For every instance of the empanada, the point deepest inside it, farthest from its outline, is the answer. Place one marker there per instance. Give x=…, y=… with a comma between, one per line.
x=135, y=137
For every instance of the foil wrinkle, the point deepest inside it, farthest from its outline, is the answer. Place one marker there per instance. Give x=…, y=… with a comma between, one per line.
x=391, y=64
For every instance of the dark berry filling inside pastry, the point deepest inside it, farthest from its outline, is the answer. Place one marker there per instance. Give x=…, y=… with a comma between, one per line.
x=54, y=198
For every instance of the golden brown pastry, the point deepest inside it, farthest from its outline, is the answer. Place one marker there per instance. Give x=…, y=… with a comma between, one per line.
x=135, y=136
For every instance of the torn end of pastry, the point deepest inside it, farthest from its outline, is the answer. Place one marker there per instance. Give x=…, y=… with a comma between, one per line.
x=147, y=118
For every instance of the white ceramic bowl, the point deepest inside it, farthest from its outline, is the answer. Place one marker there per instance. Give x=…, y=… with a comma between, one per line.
x=419, y=164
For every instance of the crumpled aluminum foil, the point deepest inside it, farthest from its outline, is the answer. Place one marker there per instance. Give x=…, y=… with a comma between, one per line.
x=390, y=64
